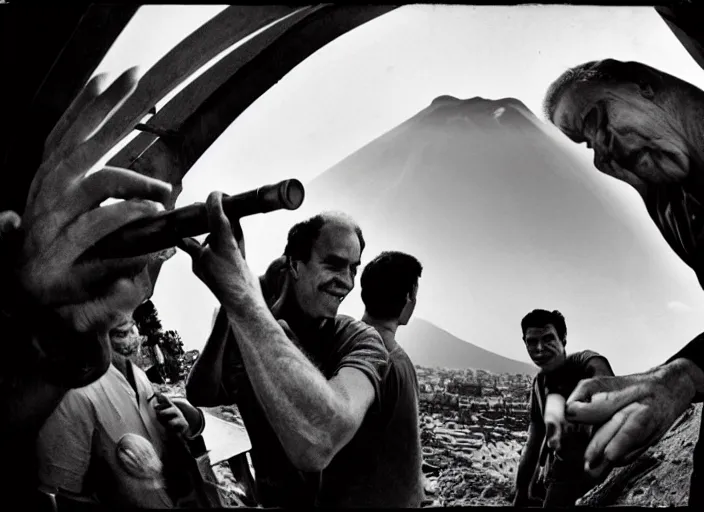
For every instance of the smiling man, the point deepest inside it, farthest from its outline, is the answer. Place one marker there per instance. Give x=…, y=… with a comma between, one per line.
x=554, y=452
x=646, y=128
x=306, y=380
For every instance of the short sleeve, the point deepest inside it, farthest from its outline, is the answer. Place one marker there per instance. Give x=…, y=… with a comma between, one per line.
x=362, y=348
x=64, y=444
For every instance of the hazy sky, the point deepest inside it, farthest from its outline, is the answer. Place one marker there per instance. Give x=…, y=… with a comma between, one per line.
x=377, y=76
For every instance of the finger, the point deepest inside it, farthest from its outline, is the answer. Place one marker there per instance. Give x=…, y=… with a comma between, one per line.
x=219, y=224
x=178, y=424
x=592, y=403
x=93, y=225
x=84, y=97
x=636, y=435
x=239, y=235
x=594, y=454
x=9, y=222
x=95, y=115
x=117, y=183
x=89, y=119
x=88, y=153
x=190, y=246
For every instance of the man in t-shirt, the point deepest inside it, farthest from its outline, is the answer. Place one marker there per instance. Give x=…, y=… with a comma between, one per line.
x=307, y=381
x=389, y=290
x=554, y=452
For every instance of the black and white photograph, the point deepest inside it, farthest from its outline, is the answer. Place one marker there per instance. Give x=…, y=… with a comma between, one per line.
x=351, y=255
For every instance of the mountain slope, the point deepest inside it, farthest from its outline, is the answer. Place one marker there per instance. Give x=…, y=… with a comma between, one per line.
x=430, y=346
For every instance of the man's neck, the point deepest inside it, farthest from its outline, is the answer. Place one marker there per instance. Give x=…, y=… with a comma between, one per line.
x=301, y=324
x=386, y=328
x=120, y=362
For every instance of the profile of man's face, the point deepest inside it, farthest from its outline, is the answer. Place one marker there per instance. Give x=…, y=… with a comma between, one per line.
x=544, y=346
x=322, y=283
x=634, y=135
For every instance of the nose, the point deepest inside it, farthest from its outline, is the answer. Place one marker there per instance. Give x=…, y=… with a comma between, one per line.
x=346, y=279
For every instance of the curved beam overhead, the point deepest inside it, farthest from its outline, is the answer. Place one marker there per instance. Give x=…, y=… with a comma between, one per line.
x=171, y=158
x=684, y=19
x=170, y=117
x=196, y=50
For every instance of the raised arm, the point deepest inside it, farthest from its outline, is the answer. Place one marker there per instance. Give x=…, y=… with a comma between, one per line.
x=313, y=417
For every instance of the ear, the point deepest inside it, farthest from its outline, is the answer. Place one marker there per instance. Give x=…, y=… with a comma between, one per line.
x=646, y=90
x=293, y=266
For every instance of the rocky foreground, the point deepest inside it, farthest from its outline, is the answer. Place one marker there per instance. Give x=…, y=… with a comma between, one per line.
x=471, y=450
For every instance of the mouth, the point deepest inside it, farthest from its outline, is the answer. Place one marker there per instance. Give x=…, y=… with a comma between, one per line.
x=339, y=296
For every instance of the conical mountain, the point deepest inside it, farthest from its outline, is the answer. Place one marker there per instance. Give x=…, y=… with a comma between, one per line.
x=506, y=218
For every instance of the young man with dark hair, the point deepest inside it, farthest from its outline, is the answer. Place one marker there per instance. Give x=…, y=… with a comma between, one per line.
x=554, y=452
x=389, y=290
x=307, y=381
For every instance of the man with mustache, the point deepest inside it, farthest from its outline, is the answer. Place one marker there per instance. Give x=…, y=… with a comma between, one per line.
x=646, y=129
x=554, y=445
x=83, y=449
x=306, y=380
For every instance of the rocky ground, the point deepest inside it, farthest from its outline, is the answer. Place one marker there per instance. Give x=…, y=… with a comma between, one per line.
x=473, y=463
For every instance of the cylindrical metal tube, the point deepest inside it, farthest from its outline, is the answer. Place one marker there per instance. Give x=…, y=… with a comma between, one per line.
x=165, y=229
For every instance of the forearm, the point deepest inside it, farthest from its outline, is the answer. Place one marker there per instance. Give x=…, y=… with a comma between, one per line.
x=303, y=408
x=524, y=474
x=205, y=378
x=684, y=375
x=690, y=360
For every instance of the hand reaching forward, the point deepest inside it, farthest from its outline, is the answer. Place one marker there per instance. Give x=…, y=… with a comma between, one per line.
x=63, y=216
x=636, y=411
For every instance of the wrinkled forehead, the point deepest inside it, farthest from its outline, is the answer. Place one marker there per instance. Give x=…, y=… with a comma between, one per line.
x=339, y=239
x=538, y=333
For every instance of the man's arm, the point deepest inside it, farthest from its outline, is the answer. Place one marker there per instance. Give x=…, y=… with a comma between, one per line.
x=690, y=362
x=528, y=463
x=204, y=383
x=314, y=418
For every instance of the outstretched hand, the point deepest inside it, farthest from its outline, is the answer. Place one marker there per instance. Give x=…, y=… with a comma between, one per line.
x=219, y=262
x=635, y=410
x=63, y=216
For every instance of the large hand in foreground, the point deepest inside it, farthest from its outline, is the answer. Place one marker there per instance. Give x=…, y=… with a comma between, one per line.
x=219, y=262
x=63, y=216
x=636, y=411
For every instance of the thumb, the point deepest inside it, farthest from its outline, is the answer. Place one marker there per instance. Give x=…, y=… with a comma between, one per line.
x=219, y=224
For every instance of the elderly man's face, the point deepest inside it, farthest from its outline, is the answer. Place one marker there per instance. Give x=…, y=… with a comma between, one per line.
x=635, y=138
x=321, y=284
